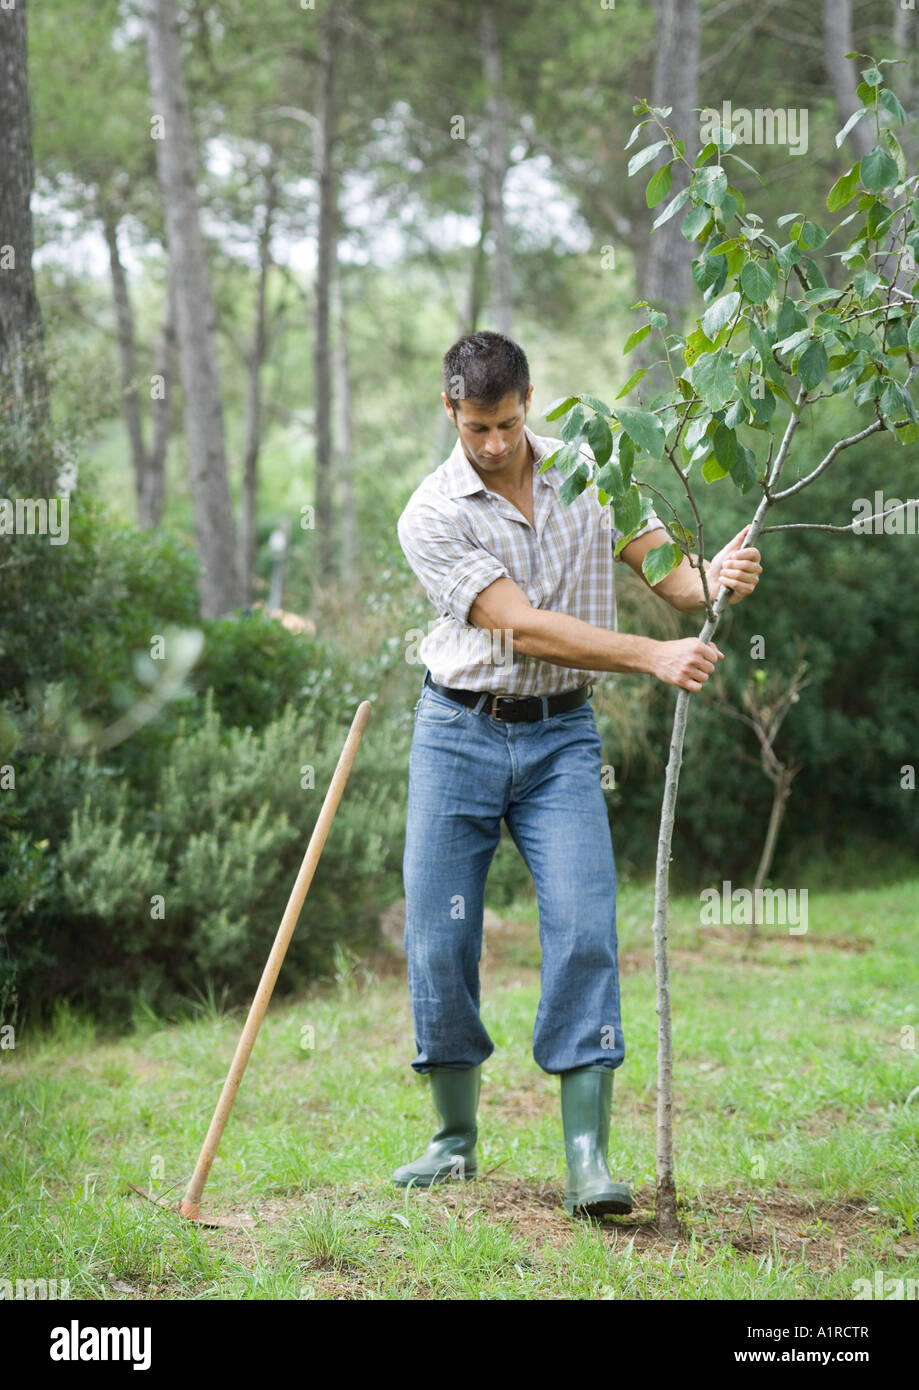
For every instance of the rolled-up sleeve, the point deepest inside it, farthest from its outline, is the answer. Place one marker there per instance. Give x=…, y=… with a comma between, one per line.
x=653, y=523
x=451, y=567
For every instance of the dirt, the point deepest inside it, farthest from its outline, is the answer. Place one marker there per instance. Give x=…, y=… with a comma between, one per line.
x=820, y=1233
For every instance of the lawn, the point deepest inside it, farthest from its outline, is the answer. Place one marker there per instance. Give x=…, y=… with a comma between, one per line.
x=797, y=1144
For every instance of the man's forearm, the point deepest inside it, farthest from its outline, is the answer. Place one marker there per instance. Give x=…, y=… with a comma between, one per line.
x=565, y=641
x=682, y=588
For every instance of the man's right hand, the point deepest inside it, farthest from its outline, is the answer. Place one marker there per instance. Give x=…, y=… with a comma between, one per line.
x=686, y=663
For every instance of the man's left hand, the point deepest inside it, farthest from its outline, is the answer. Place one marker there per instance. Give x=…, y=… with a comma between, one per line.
x=737, y=567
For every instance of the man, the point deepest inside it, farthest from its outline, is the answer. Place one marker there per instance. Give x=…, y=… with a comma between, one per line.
x=504, y=730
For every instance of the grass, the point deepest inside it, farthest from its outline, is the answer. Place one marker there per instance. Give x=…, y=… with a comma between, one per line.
x=796, y=1148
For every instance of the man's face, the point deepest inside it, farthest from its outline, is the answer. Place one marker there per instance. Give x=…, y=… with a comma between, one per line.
x=492, y=437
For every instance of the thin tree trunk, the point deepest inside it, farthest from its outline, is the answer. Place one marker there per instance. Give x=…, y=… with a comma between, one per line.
x=25, y=392
x=445, y=435
x=124, y=318
x=328, y=222
x=253, y=399
x=837, y=42
x=344, y=452
x=667, y=1218
x=841, y=72
x=472, y=308
x=496, y=169
x=667, y=276
x=154, y=493
x=780, y=795
x=218, y=582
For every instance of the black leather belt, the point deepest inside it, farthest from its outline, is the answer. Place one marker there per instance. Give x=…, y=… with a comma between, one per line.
x=512, y=708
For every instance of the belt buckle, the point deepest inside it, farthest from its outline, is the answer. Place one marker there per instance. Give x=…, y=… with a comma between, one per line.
x=493, y=711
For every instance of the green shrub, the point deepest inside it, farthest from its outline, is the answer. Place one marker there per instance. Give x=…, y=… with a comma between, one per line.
x=155, y=897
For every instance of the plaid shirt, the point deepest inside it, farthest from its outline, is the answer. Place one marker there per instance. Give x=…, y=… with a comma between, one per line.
x=458, y=538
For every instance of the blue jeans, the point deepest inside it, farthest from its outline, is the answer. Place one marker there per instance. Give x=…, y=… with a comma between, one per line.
x=467, y=771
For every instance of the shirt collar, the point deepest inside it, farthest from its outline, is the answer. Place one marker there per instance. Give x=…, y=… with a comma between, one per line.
x=463, y=481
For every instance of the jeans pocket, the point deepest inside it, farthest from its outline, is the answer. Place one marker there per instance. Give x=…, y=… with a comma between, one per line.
x=582, y=715
x=436, y=709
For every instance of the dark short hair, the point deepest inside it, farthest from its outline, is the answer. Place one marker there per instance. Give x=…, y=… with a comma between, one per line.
x=484, y=368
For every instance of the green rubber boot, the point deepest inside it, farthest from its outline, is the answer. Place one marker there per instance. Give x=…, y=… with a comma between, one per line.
x=587, y=1095
x=451, y=1153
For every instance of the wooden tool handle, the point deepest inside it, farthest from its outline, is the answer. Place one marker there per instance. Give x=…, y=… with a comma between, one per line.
x=191, y=1201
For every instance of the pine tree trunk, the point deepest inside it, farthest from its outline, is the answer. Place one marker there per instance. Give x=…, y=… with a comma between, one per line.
x=24, y=393
x=841, y=73
x=254, y=402
x=218, y=582
x=124, y=319
x=667, y=278
x=344, y=453
x=160, y=408
x=496, y=170
x=328, y=222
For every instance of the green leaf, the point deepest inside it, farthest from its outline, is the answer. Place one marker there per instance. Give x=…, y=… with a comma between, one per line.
x=634, y=136
x=713, y=377
x=627, y=511
x=744, y=472
x=595, y=403
x=813, y=273
x=913, y=335
x=843, y=190
x=865, y=283
x=695, y=221
x=812, y=366
x=891, y=105
x=635, y=338
x=763, y=402
x=695, y=431
x=788, y=256
x=724, y=447
x=895, y=400
x=550, y=460
x=720, y=313
x=644, y=429
x=573, y=486
x=672, y=207
x=600, y=438
x=873, y=77
x=712, y=471
x=560, y=407
x=852, y=121
x=659, y=185
x=658, y=563
x=710, y=272
x=638, y=161
x=744, y=164
x=737, y=412
x=878, y=170
x=756, y=282
x=573, y=425
x=789, y=320
x=894, y=148
x=728, y=209
x=819, y=296
x=632, y=382
x=711, y=185
x=568, y=457
x=611, y=481
x=626, y=455
x=811, y=236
